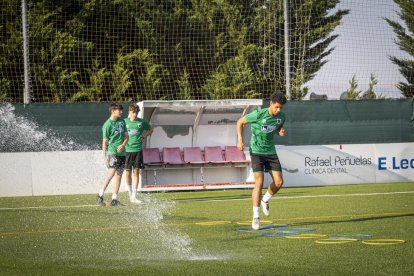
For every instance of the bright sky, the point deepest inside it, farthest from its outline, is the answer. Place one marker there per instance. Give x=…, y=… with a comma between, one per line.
x=363, y=47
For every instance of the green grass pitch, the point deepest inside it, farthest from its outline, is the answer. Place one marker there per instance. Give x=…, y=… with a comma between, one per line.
x=196, y=233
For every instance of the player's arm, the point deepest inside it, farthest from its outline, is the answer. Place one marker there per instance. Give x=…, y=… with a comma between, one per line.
x=281, y=131
x=104, y=149
x=104, y=146
x=121, y=147
x=240, y=123
x=147, y=133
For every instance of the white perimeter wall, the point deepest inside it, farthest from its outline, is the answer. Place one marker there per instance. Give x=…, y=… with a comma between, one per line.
x=81, y=172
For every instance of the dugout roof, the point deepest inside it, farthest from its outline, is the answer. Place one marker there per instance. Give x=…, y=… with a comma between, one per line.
x=186, y=117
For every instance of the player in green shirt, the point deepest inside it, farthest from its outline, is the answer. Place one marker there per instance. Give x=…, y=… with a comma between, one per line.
x=264, y=123
x=138, y=130
x=114, y=140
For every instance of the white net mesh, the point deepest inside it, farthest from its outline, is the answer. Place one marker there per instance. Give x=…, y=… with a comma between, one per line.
x=124, y=50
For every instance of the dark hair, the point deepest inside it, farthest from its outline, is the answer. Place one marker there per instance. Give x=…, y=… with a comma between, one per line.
x=115, y=106
x=278, y=97
x=133, y=107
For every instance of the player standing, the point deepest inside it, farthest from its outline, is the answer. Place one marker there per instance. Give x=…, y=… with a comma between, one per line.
x=265, y=123
x=138, y=130
x=114, y=140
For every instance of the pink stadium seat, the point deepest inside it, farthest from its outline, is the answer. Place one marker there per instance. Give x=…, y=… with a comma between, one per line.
x=172, y=156
x=152, y=159
x=151, y=156
x=213, y=155
x=233, y=154
x=193, y=155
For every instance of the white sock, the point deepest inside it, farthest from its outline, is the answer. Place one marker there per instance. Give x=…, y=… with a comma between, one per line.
x=133, y=194
x=101, y=192
x=256, y=212
x=130, y=191
x=114, y=196
x=267, y=197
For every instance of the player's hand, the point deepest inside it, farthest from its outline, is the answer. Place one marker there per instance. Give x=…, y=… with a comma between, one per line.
x=240, y=145
x=282, y=132
x=120, y=148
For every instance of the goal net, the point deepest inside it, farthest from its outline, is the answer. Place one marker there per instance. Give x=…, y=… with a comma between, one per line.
x=124, y=50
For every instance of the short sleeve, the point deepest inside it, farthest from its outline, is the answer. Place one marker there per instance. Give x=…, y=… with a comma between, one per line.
x=105, y=131
x=251, y=117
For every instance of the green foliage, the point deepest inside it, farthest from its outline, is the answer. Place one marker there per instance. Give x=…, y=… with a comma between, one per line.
x=121, y=73
x=352, y=92
x=184, y=86
x=370, y=94
x=92, y=91
x=151, y=76
x=405, y=40
x=298, y=91
x=4, y=87
x=232, y=80
x=11, y=56
x=105, y=50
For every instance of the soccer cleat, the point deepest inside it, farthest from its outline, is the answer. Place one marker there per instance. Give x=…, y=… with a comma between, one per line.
x=115, y=202
x=100, y=200
x=135, y=200
x=265, y=208
x=256, y=224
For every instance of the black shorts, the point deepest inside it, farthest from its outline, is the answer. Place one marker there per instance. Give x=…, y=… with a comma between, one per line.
x=265, y=163
x=116, y=162
x=134, y=161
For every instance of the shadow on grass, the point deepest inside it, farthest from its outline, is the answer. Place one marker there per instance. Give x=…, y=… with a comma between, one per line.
x=347, y=220
x=331, y=221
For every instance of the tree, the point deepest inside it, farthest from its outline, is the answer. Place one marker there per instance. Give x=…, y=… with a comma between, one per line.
x=352, y=93
x=370, y=94
x=311, y=25
x=104, y=50
x=405, y=40
x=11, y=58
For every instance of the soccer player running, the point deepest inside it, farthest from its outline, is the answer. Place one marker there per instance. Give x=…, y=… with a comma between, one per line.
x=265, y=123
x=114, y=140
x=138, y=130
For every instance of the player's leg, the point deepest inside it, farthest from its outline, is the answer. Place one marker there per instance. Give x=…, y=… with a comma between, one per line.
x=257, y=191
x=277, y=183
x=275, y=171
x=128, y=171
x=107, y=180
x=128, y=180
x=109, y=175
x=256, y=196
x=120, y=166
x=257, y=167
x=135, y=181
x=137, y=165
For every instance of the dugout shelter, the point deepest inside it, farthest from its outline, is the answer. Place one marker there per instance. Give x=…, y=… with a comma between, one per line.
x=193, y=145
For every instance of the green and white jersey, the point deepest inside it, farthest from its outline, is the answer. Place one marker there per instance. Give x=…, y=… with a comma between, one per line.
x=114, y=131
x=264, y=127
x=136, y=129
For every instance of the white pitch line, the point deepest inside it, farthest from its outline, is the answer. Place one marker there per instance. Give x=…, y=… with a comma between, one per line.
x=366, y=194
x=46, y=207
x=213, y=200
x=310, y=196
